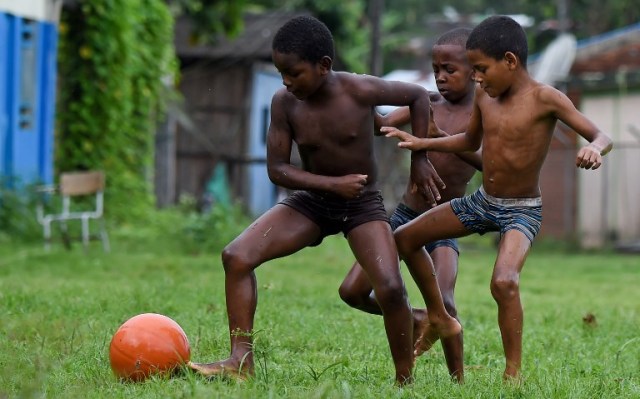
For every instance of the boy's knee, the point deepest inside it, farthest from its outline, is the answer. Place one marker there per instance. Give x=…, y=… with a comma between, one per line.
x=234, y=259
x=391, y=292
x=505, y=286
x=403, y=242
x=348, y=296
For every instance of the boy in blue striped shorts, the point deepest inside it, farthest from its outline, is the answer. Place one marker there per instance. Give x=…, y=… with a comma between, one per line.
x=513, y=118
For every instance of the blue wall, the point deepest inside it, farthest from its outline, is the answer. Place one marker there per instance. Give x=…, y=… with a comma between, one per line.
x=27, y=99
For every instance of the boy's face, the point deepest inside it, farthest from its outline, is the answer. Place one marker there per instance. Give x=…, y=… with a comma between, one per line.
x=301, y=78
x=452, y=71
x=493, y=76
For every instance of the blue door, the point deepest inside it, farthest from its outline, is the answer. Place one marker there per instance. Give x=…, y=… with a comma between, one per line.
x=262, y=193
x=27, y=97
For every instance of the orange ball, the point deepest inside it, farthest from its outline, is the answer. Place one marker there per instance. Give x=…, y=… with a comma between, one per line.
x=148, y=344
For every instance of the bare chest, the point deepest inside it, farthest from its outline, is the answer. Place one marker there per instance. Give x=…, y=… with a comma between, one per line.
x=340, y=123
x=517, y=123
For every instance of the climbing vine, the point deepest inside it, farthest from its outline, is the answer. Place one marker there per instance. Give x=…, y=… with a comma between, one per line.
x=113, y=55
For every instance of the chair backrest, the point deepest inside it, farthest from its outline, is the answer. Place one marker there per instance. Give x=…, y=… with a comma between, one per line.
x=81, y=183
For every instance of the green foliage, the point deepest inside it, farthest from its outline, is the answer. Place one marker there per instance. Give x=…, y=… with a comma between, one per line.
x=17, y=215
x=404, y=20
x=184, y=229
x=347, y=22
x=212, y=18
x=112, y=57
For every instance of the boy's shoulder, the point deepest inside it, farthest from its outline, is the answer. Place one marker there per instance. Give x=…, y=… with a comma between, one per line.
x=435, y=97
x=356, y=79
x=282, y=96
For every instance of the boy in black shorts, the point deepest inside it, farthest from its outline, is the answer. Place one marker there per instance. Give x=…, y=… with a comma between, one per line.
x=329, y=115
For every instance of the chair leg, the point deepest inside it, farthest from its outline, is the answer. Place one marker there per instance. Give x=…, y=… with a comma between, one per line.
x=65, y=234
x=85, y=233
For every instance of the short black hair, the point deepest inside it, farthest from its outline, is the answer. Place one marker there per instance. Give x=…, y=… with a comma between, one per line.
x=455, y=37
x=497, y=35
x=305, y=36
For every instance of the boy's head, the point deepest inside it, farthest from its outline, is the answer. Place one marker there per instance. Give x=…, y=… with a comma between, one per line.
x=497, y=35
x=455, y=37
x=302, y=51
x=451, y=67
x=306, y=37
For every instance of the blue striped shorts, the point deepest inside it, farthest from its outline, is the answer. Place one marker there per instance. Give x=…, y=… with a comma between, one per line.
x=481, y=212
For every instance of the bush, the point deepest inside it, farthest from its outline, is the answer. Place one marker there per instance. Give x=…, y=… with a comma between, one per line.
x=184, y=229
x=18, y=220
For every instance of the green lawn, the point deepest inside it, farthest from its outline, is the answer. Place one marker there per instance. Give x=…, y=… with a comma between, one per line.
x=60, y=309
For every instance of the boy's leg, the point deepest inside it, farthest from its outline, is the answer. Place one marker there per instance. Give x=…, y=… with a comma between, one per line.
x=505, y=288
x=372, y=244
x=279, y=232
x=445, y=260
x=437, y=223
x=357, y=292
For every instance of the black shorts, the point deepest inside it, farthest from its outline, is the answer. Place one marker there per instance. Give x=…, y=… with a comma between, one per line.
x=333, y=214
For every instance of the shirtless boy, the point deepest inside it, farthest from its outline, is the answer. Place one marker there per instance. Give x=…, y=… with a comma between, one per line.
x=513, y=118
x=329, y=115
x=451, y=106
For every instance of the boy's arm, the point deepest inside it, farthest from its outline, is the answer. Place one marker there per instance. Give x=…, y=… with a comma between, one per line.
x=589, y=156
x=472, y=158
x=415, y=104
x=470, y=140
x=398, y=117
x=283, y=173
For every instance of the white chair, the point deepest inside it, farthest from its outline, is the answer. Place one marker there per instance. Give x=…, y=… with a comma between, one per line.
x=73, y=186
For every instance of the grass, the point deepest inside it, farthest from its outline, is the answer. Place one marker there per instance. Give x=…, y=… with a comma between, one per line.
x=60, y=309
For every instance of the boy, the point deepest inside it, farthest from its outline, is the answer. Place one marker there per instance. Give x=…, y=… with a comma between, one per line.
x=451, y=108
x=329, y=115
x=514, y=118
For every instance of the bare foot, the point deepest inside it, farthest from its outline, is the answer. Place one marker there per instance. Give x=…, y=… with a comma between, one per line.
x=514, y=380
x=512, y=376
x=229, y=368
x=446, y=327
x=424, y=336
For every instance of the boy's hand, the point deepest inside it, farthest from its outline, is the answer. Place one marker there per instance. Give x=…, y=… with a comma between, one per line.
x=408, y=141
x=350, y=186
x=426, y=181
x=589, y=157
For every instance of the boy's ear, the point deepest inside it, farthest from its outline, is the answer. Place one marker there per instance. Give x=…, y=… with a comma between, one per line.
x=325, y=64
x=512, y=60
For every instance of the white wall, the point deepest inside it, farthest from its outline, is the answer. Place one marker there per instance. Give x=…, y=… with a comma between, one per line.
x=40, y=10
x=609, y=198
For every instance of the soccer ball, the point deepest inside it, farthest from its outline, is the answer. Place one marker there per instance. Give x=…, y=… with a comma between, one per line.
x=148, y=344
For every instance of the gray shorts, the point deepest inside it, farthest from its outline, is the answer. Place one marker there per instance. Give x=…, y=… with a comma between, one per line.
x=481, y=212
x=403, y=214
